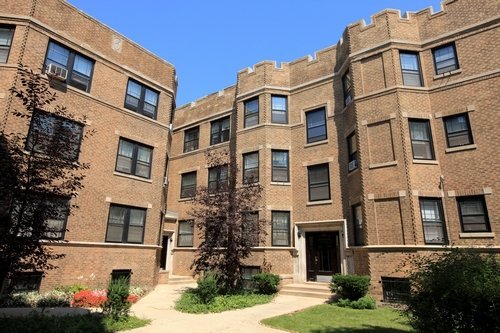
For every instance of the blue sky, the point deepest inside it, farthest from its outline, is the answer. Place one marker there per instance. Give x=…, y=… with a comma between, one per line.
x=208, y=42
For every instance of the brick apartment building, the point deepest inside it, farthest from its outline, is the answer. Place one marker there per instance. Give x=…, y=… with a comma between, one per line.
x=377, y=147
x=128, y=95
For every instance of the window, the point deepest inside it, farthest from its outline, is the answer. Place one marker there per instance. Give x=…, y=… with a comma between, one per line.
x=191, y=138
x=6, y=34
x=141, y=99
x=445, y=58
x=473, y=214
x=433, y=221
x=357, y=219
x=26, y=281
x=219, y=131
x=119, y=274
x=395, y=290
x=52, y=211
x=251, y=112
x=134, y=159
x=279, y=109
x=247, y=273
x=188, y=185
x=319, y=182
x=316, y=125
x=347, y=88
x=353, y=152
x=186, y=234
x=79, y=67
x=251, y=168
x=281, y=228
x=126, y=224
x=250, y=227
x=458, y=132
x=421, y=139
x=54, y=136
x=280, y=166
x=410, y=67
x=217, y=178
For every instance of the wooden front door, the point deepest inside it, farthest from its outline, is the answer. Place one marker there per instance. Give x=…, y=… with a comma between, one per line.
x=322, y=255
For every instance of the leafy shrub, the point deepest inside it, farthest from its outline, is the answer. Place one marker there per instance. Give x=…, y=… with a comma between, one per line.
x=20, y=300
x=137, y=291
x=351, y=287
x=365, y=302
x=207, y=288
x=89, y=299
x=458, y=291
x=117, y=305
x=71, y=289
x=266, y=283
x=54, y=299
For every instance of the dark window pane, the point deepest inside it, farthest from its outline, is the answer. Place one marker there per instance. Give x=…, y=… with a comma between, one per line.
x=473, y=214
x=134, y=158
x=458, y=131
x=251, y=167
x=280, y=166
x=191, y=138
x=445, y=59
x=319, y=182
x=421, y=139
x=316, y=125
x=219, y=131
x=6, y=34
x=281, y=228
x=410, y=68
x=125, y=224
x=279, y=109
x=141, y=99
x=433, y=222
x=188, y=185
x=186, y=234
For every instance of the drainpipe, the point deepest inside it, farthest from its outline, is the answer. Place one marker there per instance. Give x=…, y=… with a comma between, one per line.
x=445, y=215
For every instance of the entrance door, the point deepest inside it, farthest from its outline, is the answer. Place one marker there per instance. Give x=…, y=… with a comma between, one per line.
x=164, y=252
x=322, y=255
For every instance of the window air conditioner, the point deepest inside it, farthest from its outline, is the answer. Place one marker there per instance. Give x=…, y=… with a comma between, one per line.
x=57, y=72
x=353, y=165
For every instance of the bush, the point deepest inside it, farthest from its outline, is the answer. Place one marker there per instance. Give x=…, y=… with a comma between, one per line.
x=458, y=291
x=266, y=283
x=89, y=299
x=351, y=287
x=71, y=289
x=365, y=302
x=117, y=305
x=207, y=288
x=53, y=299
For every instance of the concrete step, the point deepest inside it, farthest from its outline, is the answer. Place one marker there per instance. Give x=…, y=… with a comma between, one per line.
x=308, y=289
x=179, y=279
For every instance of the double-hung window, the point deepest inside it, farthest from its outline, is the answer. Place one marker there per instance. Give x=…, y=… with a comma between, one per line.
x=280, y=166
x=219, y=131
x=134, y=158
x=458, y=131
x=347, y=88
x=57, y=210
x=191, y=138
x=445, y=58
x=316, y=125
x=281, y=228
x=217, y=179
x=185, y=235
x=353, y=152
x=126, y=224
x=188, y=185
x=410, y=67
x=79, y=67
x=6, y=34
x=250, y=227
x=433, y=221
x=319, y=182
x=54, y=136
x=141, y=99
x=357, y=218
x=473, y=214
x=251, y=168
x=251, y=112
x=421, y=139
x=279, y=109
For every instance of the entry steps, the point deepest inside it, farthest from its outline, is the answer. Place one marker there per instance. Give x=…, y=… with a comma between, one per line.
x=180, y=279
x=307, y=289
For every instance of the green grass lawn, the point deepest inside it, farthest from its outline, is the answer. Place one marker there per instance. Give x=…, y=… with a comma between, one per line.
x=93, y=323
x=188, y=302
x=327, y=318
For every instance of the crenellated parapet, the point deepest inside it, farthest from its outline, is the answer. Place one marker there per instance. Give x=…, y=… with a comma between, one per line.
x=263, y=74
x=418, y=27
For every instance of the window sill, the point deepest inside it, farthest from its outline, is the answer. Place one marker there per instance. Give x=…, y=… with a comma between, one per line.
x=353, y=172
x=431, y=162
x=453, y=72
x=318, y=203
x=382, y=165
x=124, y=175
x=461, y=148
x=318, y=143
x=185, y=199
x=477, y=235
x=281, y=183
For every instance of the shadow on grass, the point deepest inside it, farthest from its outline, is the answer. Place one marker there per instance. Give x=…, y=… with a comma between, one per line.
x=364, y=329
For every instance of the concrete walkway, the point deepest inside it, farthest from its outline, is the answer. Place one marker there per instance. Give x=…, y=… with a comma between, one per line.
x=159, y=307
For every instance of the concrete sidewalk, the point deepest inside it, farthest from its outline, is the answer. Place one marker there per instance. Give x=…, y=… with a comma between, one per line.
x=159, y=307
